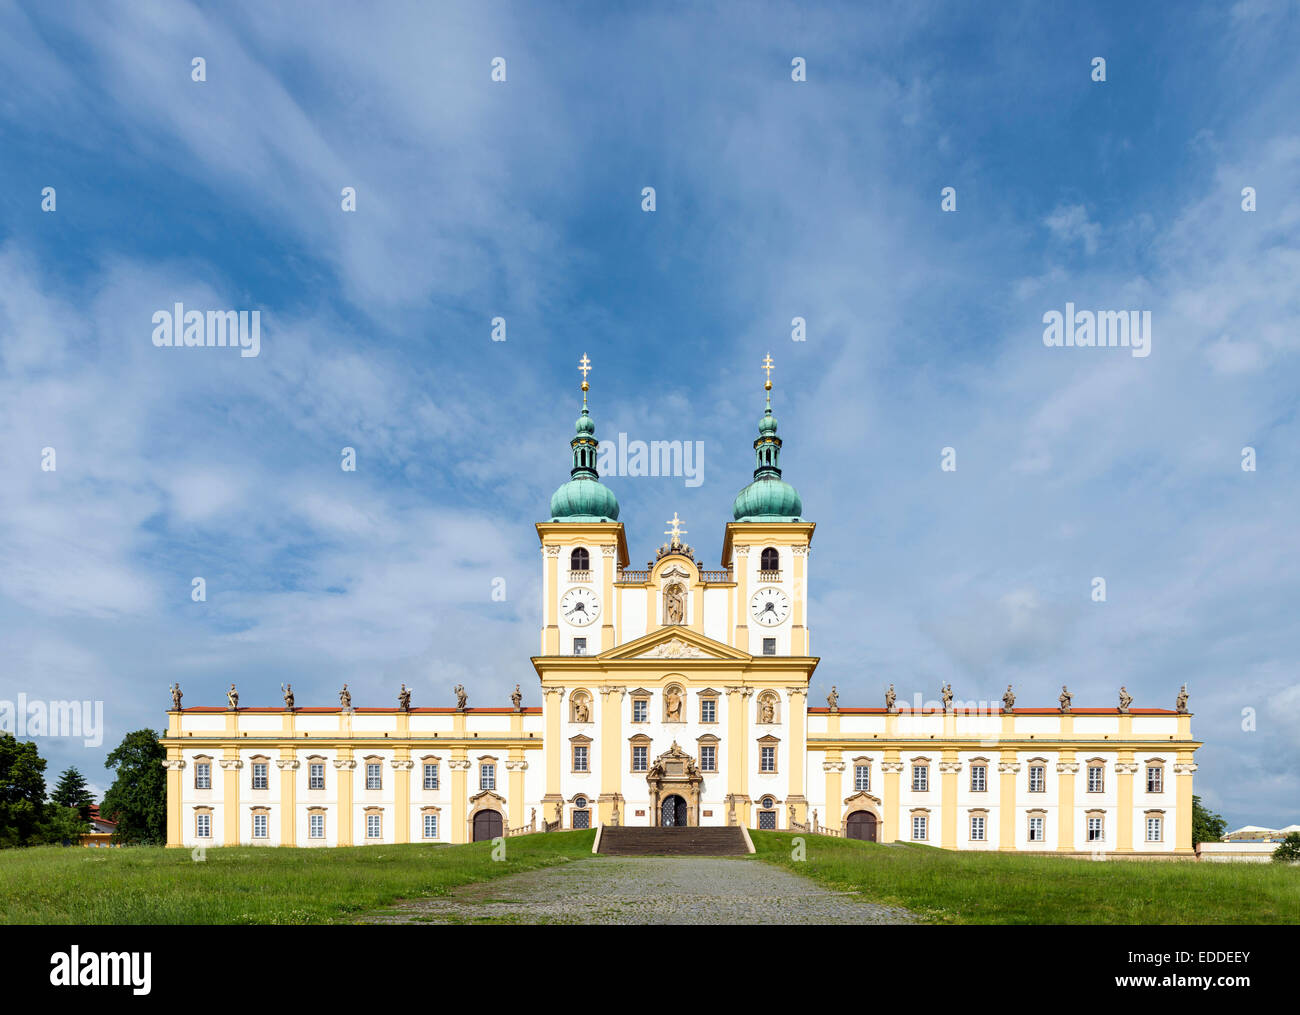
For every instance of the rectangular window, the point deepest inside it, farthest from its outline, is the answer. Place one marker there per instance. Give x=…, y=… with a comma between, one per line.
x=1155, y=779
x=920, y=778
x=259, y=775
x=918, y=827
x=579, y=646
x=708, y=710
x=1095, y=782
x=769, y=646
x=316, y=775
x=1037, y=779
x=978, y=779
x=1035, y=829
x=259, y=826
x=1094, y=829
x=203, y=775
x=431, y=826
x=767, y=820
x=639, y=763
x=579, y=757
x=316, y=826
x=374, y=775
x=768, y=763
x=431, y=776
x=639, y=709
x=487, y=776
x=203, y=826
x=374, y=826
x=862, y=778
x=708, y=758
x=977, y=828
x=1154, y=828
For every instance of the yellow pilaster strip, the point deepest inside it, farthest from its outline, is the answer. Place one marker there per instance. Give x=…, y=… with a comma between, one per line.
x=740, y=568
x=949, y=768
x=231, y=766
x=459, y=766
x=1124, y=769
x=608, y=561
x=402, y=789
x=798, y=698
x=344, y=765
x=553, y=706
x=833, y=766
x=893, y=801
x=288, y=796
x=551, y=635
x=611, y=753
x=1183, y=770
x=799, y=630
x=1066, y=769
x=1008, y=768
x=175, y=775
x=516, y=766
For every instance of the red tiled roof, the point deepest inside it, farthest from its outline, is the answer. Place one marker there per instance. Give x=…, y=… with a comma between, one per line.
x=334, y=709
x=903, y=710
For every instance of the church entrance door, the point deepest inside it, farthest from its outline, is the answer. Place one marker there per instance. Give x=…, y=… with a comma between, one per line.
x=487, y=825
x=862, y=825
x=673, y=812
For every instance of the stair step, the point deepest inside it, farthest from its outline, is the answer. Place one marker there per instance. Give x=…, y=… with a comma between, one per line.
x=622, y=840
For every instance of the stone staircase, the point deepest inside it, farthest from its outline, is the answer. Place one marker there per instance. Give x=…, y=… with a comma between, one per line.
x=623, y=840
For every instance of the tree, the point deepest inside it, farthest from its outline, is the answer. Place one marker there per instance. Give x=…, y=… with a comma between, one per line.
x=22, y=790
x=1289, y=851
x=137, y=800
x=72, y=791
x=61, y=824
x=1206, y=825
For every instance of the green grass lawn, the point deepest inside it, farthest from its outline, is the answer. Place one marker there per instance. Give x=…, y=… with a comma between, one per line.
x=968, y=887
x=51, y=884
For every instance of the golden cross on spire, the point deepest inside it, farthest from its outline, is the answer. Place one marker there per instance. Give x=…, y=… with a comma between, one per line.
x=584, y=365
x=676, y=531
x=768, y=364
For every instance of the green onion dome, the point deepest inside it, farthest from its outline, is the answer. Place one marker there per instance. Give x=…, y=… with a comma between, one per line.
x=583, y=498
x=768, y=498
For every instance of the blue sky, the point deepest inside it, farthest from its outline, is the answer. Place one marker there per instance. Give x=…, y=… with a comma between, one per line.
x=775, y=199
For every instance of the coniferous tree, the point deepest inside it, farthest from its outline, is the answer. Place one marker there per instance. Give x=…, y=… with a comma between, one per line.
x=73, y=792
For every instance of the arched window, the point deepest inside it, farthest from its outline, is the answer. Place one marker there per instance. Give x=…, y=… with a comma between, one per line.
x=770, y=560
x=580, y=560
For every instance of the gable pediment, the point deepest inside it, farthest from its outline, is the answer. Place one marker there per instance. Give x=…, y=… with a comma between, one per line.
x=674, y=642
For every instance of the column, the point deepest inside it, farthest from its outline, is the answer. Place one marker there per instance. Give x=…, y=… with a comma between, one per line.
x=1183, y=769
x=797, y=700
x=1066, y=771
x=1124, y=769
x=175, y=766
x=949, y=768
x=344, y=765
x=551, y=635
x=288, y=765
x=402, y=765
x=1008, y=770
x=231, y=766
x=611, y=754
x=893, y=801
x=833, y=766
x=516, y=766
x=459, y=765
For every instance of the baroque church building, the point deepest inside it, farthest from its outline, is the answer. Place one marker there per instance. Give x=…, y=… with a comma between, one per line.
x=678, y=695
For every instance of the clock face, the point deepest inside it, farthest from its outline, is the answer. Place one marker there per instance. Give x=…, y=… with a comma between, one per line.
x=770, y=606
x=579, y=606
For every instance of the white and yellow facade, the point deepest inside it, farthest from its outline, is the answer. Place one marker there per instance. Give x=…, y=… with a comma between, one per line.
x=678, y=660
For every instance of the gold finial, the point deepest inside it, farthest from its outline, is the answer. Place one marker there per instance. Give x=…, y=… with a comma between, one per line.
x=676, y=531
x=584, y=365
x=767, y=385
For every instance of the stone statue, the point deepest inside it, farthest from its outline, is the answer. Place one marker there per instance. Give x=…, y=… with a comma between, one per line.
x=345, y=697
x=766, y=711
x=890, y=699
x=674, y=605
x=673, y=703
x=288, y=696
x=1065, y=699
x=581, y=713
x=833, y=699
x=532, y=818
x=461, y=697
x=232, y=697
x=946, y=691
x=1008, y=699
x=792, y=815
x=1125, y=700
x=517, y=698
x=176, y=697
x=404, y=699
x=1181, y=704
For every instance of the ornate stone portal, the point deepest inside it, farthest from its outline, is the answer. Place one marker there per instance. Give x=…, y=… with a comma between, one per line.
x=674, y=774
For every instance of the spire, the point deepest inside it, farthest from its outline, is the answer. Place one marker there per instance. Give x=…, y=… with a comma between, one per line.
x=584, y=442
x=767, y=447
x=768, y=497
x=583, y=498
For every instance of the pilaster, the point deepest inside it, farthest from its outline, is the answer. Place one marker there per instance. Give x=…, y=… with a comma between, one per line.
x=949, y=768
x=344, y=766
x=288, y=765
x=1067, y=770
x=1008, y=770
x=892, y=803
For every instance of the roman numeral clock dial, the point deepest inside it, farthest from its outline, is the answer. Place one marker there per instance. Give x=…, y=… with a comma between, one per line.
x=769, y=606
x=579, y=606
